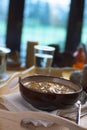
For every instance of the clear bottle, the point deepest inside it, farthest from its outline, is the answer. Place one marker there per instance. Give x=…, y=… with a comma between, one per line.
x=79, y=58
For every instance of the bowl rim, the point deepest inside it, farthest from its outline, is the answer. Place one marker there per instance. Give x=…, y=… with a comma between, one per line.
x=43, y=76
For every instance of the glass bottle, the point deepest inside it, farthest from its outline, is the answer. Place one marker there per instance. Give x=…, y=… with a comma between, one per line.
x=79, y=58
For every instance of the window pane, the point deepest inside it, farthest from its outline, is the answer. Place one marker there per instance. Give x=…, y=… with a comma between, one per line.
x=4, y=5
x=84, y=29
x=45, y=21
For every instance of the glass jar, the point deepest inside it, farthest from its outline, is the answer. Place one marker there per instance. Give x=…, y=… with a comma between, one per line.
x=3, y=57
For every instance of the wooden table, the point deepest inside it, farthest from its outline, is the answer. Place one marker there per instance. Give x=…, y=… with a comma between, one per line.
x=63, y=72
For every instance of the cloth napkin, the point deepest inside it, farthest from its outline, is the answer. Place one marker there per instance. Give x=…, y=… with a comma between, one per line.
x=16, y=103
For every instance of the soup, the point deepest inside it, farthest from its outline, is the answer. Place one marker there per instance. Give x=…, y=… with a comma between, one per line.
x=48, y=87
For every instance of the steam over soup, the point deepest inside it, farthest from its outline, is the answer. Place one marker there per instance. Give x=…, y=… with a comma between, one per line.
x=48, y=87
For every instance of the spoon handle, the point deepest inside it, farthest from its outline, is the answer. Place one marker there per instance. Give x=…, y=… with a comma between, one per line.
x=78, y=112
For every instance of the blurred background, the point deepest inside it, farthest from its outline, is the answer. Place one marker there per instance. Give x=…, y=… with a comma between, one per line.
x=62, y=23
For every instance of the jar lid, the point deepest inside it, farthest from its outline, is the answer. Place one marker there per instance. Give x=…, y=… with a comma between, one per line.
x=4, y=50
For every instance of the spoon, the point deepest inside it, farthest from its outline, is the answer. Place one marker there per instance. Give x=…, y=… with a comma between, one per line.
x=78, y=112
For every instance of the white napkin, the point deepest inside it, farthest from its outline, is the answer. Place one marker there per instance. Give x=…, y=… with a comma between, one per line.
x=16, y=103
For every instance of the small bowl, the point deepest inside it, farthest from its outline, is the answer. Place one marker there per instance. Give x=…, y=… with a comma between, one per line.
x=49, y=101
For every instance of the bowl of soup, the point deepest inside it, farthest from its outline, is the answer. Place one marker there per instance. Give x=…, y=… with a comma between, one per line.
x=49, y=93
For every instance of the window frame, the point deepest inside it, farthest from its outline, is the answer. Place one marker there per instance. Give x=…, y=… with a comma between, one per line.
x=14, y=24
x=15, y=21
x=74, y=28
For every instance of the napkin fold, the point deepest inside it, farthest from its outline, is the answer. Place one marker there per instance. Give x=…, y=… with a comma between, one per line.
x=16, y=103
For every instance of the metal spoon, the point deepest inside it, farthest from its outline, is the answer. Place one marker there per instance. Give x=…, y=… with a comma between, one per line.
x=78, y=112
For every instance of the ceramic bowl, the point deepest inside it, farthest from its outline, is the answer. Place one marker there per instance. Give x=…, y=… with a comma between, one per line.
x=49, y=101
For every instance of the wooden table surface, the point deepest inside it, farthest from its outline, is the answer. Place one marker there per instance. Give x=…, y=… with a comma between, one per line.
x=6, y=90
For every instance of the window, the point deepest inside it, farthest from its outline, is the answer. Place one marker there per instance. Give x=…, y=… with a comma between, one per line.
x=4, y=5
x=84, y=29
x=45, y=21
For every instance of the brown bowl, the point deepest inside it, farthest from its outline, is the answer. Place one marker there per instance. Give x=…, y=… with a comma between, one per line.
x=49, y=101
